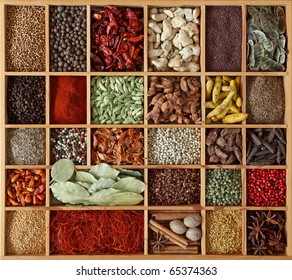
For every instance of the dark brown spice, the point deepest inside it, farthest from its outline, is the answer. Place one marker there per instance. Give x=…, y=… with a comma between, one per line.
x=223, y=38
x=174, y=186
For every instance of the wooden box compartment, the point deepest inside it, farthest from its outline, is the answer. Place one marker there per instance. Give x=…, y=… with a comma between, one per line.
x=148, y=209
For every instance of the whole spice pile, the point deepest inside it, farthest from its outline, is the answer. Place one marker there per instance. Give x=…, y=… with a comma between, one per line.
x=26, y=187
x=117, y=100
x=117, y=39
x=174, y=186
x=173, y=39
x=266, y=232
x=97, y=232
x=25, y=232
x=117, y=146
x=69, y=143
x=101, y=185
x=68, y=100
x=265, y=102
x=174, y=100
x=68, y=38
x=26, y=100
x=224, y=146
x=223, y=187
x=223, y=52
x=25, y=38
x=266, y=41
x=266, y=146
x=174, y=145
x=266, y=187
x=224, y=232
x=175, y=232
x=26, y=146
x=223, y=100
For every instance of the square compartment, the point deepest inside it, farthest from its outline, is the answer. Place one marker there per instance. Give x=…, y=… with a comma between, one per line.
x=68, y=38
x=174, y=39
x=117, y=100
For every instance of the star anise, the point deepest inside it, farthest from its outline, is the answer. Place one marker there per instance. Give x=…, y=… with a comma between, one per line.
x=159, y=242
x=270, y=219
x=259, y=216
x=259, y=247
x=256, y=230
x=275, y=242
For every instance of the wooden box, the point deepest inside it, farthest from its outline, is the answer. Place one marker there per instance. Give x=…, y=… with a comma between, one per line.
x=146, y=5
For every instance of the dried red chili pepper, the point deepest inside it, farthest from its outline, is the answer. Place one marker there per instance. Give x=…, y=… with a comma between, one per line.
x=117, y=39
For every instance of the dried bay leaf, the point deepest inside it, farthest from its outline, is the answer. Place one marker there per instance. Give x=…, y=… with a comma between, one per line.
x=68, y=192
x=101, y=197
x=62, y=170
x=130, y=184
x=104, y=170
x=83, y=184
x=125, y=198
x=101, y=183
x=85, y=177
x=127, y=172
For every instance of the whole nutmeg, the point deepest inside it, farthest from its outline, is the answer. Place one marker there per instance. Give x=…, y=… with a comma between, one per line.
x=194, y=234
x=177, y=226
x=193, y=220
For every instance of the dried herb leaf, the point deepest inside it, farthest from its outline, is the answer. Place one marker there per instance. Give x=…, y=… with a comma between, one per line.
x=62, y=170
x=127, y=172
x=104, y=170
x=125, y=198
x=85, y=177
x=262, y=39
x=130, y=184
x=101, y=197
x=83, y=184
x=68, y=192
x=101, y=183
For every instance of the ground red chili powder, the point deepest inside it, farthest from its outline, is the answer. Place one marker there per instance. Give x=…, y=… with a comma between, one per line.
x=68, y=100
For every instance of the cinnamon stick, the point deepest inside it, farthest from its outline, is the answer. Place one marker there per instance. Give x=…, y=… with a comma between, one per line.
x=168, y=233
x=194, y=252
x=169, y=216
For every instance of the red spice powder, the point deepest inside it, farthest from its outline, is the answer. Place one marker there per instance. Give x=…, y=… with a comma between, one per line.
x=68, y=100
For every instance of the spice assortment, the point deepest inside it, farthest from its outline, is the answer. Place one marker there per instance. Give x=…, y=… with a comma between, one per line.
x=224, y=100
x=174, y=145
x=117, y=100
x=175, y=232
x=101, y=185
x=25, y=38
x=117, y=146
x=68, y=100
x=68, y=38
x=266, y=43
x=223, y=52
x=223, y=187
x=224, y=232
x=26, y=100
x=174, y=100
x=266, y=234
x=265, y=100
x=266, y=187
x=26, y=146
x=224, y=146
x=174, y=39
x=117, y=38
x=266, y=146
x=96, y=232
x=25, y=187
x=174, y=186
x=69, y=143
x=25, y=232
x=209, y=149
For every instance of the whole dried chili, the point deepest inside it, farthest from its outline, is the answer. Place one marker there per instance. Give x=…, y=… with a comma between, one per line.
x=117, y=39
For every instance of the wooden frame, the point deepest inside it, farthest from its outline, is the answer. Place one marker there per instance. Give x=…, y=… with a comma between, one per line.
x=202, y=74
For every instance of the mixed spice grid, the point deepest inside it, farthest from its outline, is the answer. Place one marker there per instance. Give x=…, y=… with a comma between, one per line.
x=203, y=158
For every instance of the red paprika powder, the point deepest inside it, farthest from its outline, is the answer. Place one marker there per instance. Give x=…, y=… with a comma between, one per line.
x=68, y=100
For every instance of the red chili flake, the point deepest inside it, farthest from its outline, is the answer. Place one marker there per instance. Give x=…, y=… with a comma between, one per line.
x=266, y=187
x=117, y=39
